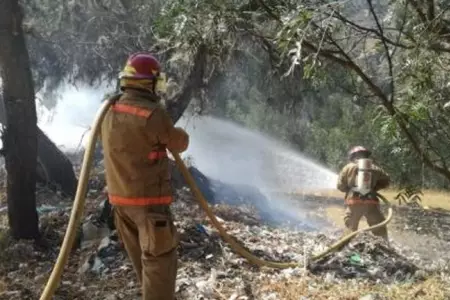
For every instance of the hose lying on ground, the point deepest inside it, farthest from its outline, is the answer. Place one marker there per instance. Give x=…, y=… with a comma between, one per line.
x=78, y=206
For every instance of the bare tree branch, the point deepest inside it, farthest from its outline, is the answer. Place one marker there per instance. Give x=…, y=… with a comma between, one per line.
x=419, y=11
x=177, y=105
x=430, y=11
x=386, y=49
x=381, y=36
x=373, y=31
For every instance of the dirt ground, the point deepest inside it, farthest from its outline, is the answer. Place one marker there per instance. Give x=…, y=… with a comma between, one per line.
x=422, y=235
x=430, y=198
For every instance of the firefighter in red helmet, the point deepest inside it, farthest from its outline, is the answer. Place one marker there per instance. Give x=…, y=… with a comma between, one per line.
x=135, y=135
x=360, y=179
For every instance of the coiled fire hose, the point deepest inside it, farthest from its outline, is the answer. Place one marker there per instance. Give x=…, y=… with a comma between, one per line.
x=78, y=206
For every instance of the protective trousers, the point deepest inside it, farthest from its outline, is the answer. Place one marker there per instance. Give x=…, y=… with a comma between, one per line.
x=150, y=239
x=373, y=214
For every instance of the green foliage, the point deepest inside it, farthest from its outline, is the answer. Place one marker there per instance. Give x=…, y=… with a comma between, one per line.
x=321, y=76
x=400, y=75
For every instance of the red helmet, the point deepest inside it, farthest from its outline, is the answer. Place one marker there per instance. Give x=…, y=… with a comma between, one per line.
x=358, y=149
x=141, y=65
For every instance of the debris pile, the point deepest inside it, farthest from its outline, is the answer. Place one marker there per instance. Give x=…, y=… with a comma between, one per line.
x=208, y=268
x=367, y=257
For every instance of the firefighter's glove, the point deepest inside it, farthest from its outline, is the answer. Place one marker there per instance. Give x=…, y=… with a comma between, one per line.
x=178, y=141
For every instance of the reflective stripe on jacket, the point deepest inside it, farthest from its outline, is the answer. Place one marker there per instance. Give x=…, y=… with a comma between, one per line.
x=355, y=200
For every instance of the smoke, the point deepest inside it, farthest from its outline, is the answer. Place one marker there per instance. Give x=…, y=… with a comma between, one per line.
x=220, y=149
x=68, y=124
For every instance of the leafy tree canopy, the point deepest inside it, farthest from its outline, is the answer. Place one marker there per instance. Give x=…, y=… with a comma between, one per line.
x=323, y=75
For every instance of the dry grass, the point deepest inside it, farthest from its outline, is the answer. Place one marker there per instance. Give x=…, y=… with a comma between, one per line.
x=430, y=198
x=336, y=215
x=431, y=289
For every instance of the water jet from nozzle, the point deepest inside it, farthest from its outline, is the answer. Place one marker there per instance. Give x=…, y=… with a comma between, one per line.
x=233, y=154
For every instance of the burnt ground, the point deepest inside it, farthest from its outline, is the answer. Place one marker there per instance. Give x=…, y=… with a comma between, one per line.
x=414, y=267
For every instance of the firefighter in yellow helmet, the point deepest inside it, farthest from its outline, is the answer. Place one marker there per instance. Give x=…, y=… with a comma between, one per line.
x=360, y=190
x=135, y=135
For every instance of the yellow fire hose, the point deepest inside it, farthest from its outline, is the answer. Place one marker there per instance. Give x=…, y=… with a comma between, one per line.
x=78, y=206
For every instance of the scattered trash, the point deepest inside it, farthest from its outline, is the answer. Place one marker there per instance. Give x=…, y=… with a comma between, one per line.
x=355, y=259
x=367, y=257
x=208, y=268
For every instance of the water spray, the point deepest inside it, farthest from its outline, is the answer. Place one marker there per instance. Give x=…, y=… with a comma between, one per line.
x=80, y=197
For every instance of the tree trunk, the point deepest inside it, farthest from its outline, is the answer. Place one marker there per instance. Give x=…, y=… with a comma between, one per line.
x=177, y=105
x=56, y=169
x=19, y=139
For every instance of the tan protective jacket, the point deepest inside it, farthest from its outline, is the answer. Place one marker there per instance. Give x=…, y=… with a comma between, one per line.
x=135, y=134
x=347, y=180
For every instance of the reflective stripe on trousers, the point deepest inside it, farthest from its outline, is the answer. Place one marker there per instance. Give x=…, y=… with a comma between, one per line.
x=139, y=201
x=356, y=201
